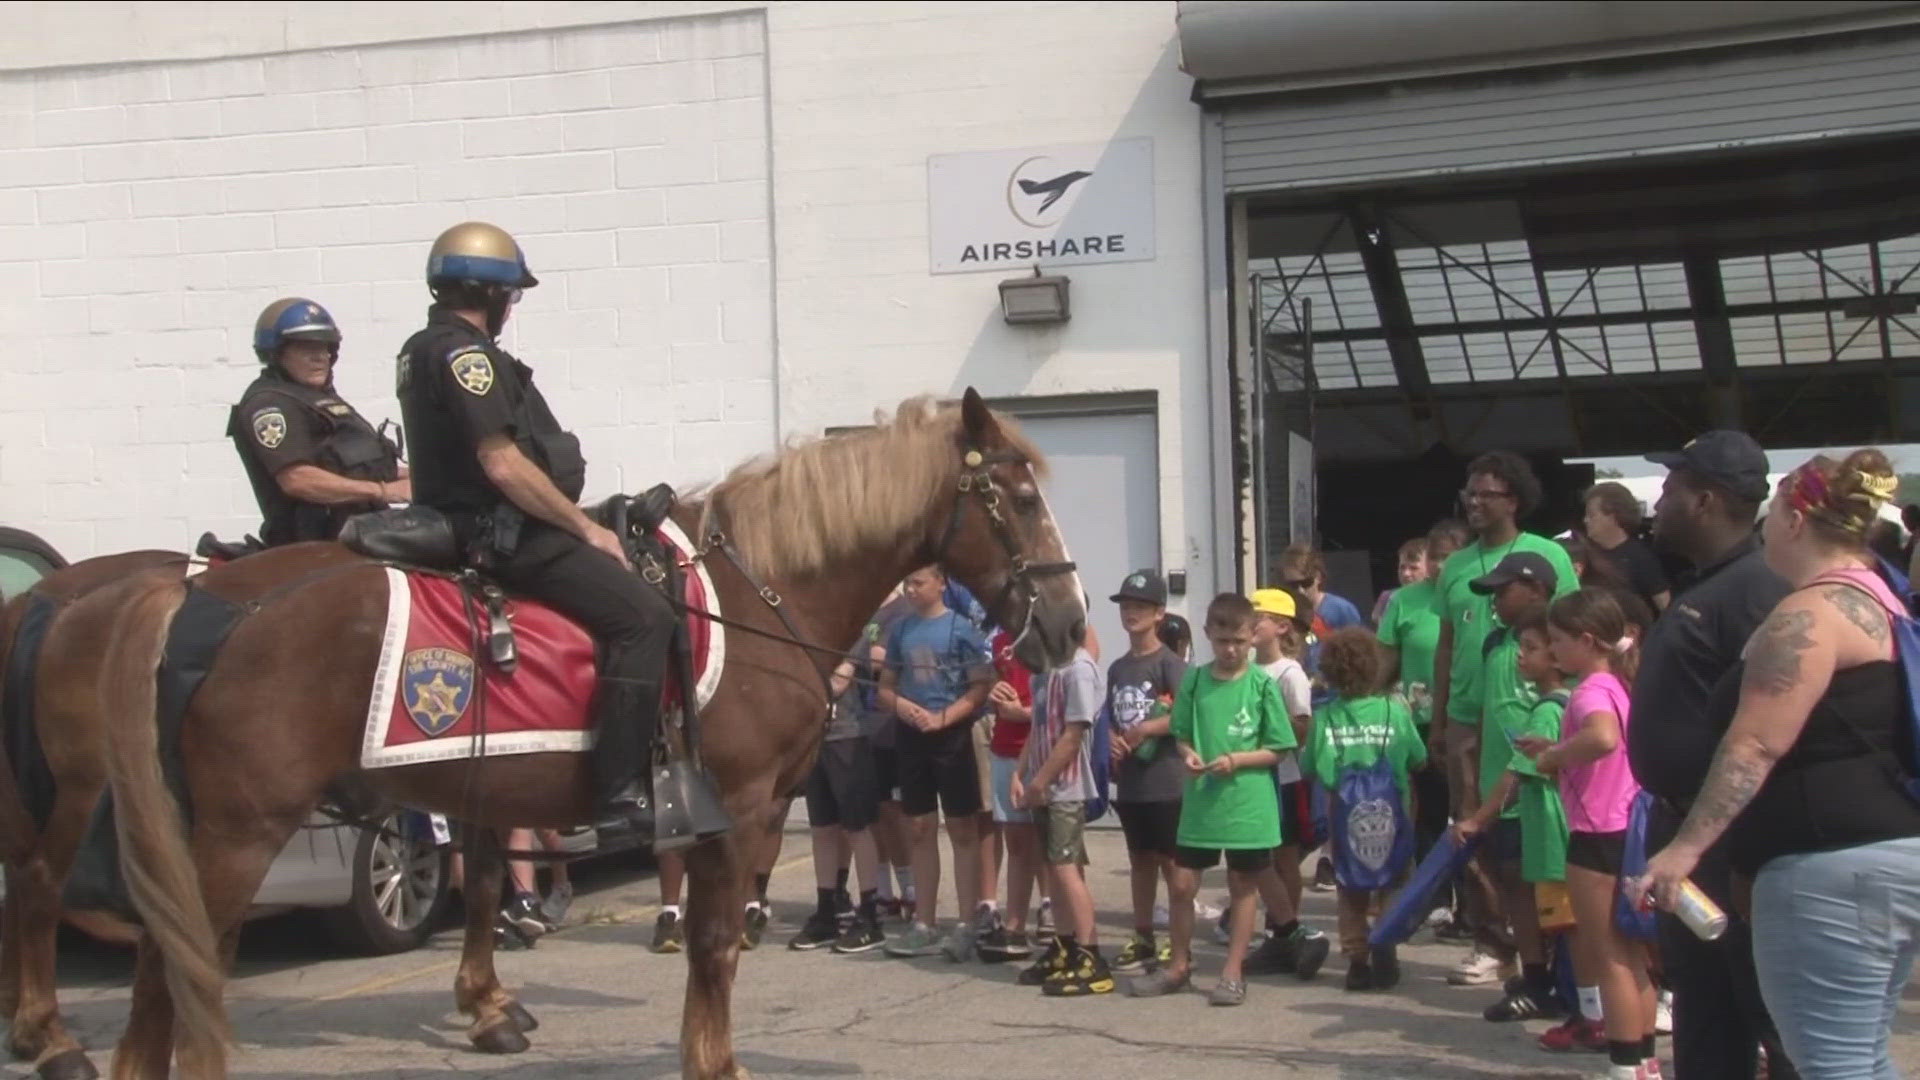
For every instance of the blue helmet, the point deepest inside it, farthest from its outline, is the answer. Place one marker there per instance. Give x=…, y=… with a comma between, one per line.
x=292, y=319
x=478, y=253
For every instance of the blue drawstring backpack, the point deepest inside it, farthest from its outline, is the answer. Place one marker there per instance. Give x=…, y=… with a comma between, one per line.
x=1906, y=650
x=1372, y=836
x=1407, y=911
x=1627, y=915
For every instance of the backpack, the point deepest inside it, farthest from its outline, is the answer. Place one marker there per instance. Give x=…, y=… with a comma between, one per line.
x=1629, y=917
x=1100, y=755
x=1906, y=651
x=1372, y=836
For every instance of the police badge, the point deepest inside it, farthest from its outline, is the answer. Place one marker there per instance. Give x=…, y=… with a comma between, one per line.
x=270, y=428
x=474, y=372
x=436, y=685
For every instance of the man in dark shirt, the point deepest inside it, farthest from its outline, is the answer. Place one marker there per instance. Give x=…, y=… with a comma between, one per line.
x=1713, y=492
x=1612, y=519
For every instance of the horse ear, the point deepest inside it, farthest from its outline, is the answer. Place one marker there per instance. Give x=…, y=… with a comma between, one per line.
x=975, y=415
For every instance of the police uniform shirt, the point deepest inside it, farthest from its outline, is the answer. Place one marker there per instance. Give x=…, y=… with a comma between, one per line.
x=1692, y=644
x=283, y=434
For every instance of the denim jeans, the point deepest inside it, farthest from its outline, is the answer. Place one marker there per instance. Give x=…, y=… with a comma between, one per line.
x=1834, y=938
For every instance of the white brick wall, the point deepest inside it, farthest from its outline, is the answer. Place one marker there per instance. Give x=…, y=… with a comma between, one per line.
x=148, y=213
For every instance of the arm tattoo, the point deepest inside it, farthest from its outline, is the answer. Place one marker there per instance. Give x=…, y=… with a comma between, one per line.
x=1732, y=782
x=1860, y=609
x=1773, y=659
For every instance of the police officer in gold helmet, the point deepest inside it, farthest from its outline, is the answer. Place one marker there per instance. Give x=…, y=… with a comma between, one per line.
x=311, y=460
x=487, y=451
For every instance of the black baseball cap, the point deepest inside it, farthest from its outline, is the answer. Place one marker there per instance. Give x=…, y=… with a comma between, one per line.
x=1729, y=458
x=1517, y=566
x=1146, y=586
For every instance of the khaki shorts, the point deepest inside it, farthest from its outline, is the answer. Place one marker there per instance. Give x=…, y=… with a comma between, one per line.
x=982, y=735
x=1065, y=834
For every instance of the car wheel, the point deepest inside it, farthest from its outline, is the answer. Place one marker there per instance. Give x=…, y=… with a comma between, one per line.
x=400, y=889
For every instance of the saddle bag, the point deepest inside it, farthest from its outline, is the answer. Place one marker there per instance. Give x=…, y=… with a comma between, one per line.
x=415, y=535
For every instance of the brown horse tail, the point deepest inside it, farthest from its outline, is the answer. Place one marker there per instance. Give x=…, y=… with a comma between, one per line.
x=17, y=830
x=154, y=857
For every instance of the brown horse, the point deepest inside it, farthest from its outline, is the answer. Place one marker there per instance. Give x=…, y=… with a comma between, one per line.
x=826, y=528
x=62, y=708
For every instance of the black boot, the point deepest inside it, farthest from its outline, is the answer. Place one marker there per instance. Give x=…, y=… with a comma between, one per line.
x=624, y=727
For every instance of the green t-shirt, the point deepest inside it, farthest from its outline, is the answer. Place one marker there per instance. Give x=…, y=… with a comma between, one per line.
x=1543, y=819
x=1509, y=701
x=1234, y=716
x=1471, y=615
x=1411, y=625
x=1354, y=732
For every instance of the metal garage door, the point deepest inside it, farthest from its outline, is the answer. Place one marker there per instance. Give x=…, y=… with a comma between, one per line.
x=1847, y=86
x=1104, y=493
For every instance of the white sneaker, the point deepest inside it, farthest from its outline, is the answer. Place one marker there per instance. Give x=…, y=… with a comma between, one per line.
x=1439, y=916
x=1161, y=919
x=1663, y=1014
x=1477, y=969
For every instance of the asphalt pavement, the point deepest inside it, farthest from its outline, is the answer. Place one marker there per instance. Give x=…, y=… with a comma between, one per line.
x=610, y=1008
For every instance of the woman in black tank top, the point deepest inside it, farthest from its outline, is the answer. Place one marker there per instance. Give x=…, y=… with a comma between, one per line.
x=1808, y=784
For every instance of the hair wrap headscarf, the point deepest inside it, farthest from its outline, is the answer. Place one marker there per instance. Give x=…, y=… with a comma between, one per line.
x=1808, y=491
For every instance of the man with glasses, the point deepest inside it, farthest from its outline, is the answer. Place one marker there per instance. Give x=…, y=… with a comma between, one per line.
x=1501, y=490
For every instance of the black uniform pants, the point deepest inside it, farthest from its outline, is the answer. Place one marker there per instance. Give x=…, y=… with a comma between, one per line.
x=1719, y=1016
x=630, y=620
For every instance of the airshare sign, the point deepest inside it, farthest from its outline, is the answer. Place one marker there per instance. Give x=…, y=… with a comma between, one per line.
x=1051, y=206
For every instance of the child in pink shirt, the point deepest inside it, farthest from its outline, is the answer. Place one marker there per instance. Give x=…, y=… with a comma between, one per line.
x=1587, y=632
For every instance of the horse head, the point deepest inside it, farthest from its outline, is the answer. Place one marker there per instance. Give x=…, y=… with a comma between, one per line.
x=1002, y=543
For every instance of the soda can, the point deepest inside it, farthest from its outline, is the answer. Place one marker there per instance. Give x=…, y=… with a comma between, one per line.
x=1700, y=914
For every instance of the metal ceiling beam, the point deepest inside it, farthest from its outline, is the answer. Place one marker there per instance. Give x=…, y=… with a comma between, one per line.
x=1396, y=314
x=1713, y=331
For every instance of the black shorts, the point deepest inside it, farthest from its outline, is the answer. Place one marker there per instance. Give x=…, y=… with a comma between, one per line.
x=1503, y=840
x=937, y=771
x=886, y=771
x=1239, y=860
x=841, y=790
x=1600, y=852
x=1150, y=826
x=1296, y=816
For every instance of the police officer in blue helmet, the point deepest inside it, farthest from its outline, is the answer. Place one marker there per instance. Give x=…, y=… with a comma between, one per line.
x=311, y=459
x=488, y=452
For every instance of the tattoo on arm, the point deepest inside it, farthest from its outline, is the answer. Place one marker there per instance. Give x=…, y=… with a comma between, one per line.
x=1773, y=658
x=1860, y=609
x=1737, y=773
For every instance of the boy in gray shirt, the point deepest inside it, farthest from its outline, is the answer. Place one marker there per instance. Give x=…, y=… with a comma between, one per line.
x=1149, y=776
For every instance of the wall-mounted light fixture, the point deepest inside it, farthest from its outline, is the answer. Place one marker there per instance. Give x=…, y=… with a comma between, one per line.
x=1036, y=299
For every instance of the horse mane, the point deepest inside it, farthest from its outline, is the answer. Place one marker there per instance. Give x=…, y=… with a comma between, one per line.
x=820, y=499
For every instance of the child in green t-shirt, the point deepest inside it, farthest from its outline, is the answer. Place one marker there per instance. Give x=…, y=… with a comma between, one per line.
x=1355, y=730
x=1230, y=727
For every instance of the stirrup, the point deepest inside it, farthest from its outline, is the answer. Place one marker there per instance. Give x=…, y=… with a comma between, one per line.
x=687, y=808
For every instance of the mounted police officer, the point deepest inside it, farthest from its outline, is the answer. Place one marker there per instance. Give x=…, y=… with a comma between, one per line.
x=488, y=452
x=313, y=462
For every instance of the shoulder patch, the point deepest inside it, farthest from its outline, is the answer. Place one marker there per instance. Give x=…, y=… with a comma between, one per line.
x=270, y=428
x=473, y=369
x=336, y=408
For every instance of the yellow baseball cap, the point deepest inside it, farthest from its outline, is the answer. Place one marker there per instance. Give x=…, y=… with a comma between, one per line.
x=1277, y=602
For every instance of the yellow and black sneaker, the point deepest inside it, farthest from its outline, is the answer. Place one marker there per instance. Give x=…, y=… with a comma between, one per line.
x=1052, y=960
x=1085, y=973
x=1136, y=956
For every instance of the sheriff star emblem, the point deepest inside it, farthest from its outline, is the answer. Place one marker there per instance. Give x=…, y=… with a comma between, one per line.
x=474, y=372
x=270, y=428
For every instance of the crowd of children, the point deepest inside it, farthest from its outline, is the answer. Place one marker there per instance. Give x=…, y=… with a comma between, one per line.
x=1290, y=736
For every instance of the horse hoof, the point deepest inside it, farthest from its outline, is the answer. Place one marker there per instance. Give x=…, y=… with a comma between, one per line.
x=502, y=1038
x=67, y=1065
x=521, y=1018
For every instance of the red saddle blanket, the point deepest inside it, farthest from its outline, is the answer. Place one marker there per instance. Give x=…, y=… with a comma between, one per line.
x=431, y=689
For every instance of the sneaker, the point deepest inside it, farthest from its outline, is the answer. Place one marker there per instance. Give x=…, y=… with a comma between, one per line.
x=1360, y=974
x=1663, y=1014
x=1438, y=918
x=756, y=925
x=887, y=906
x=1228, y=992
x=917, y=941
x=985, y=918
x=1323, y=877
x=1385, y=960
x=1524, y=1006
x=1053, y=959
x=843, y=910
x=958, y=945
x=820, y=929
x=1310, y=949
x=1479, y=968
x=864, y=935
x=523, y=914
x=667, y=933
x=1162, y=919
x=999, y=945
x=1084, y=973
x=1157, y=983
x=1577, y=1033
x=1652, y=1067
x=1274, y=956
x=554, y=908
x=1136, y=956
x=1043, y=922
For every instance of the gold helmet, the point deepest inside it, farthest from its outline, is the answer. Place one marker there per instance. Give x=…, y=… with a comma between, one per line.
x=293, y=319
x=478, y=253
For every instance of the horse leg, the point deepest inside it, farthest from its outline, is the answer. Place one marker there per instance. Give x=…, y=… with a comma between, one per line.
x=476, y=987
x=714, y=917
x=38, y=1032
x=10, y=946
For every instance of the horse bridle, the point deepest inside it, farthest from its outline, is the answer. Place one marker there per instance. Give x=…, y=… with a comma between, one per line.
x=976, y=479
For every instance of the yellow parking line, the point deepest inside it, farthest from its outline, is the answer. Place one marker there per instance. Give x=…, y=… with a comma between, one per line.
x=385, y=981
